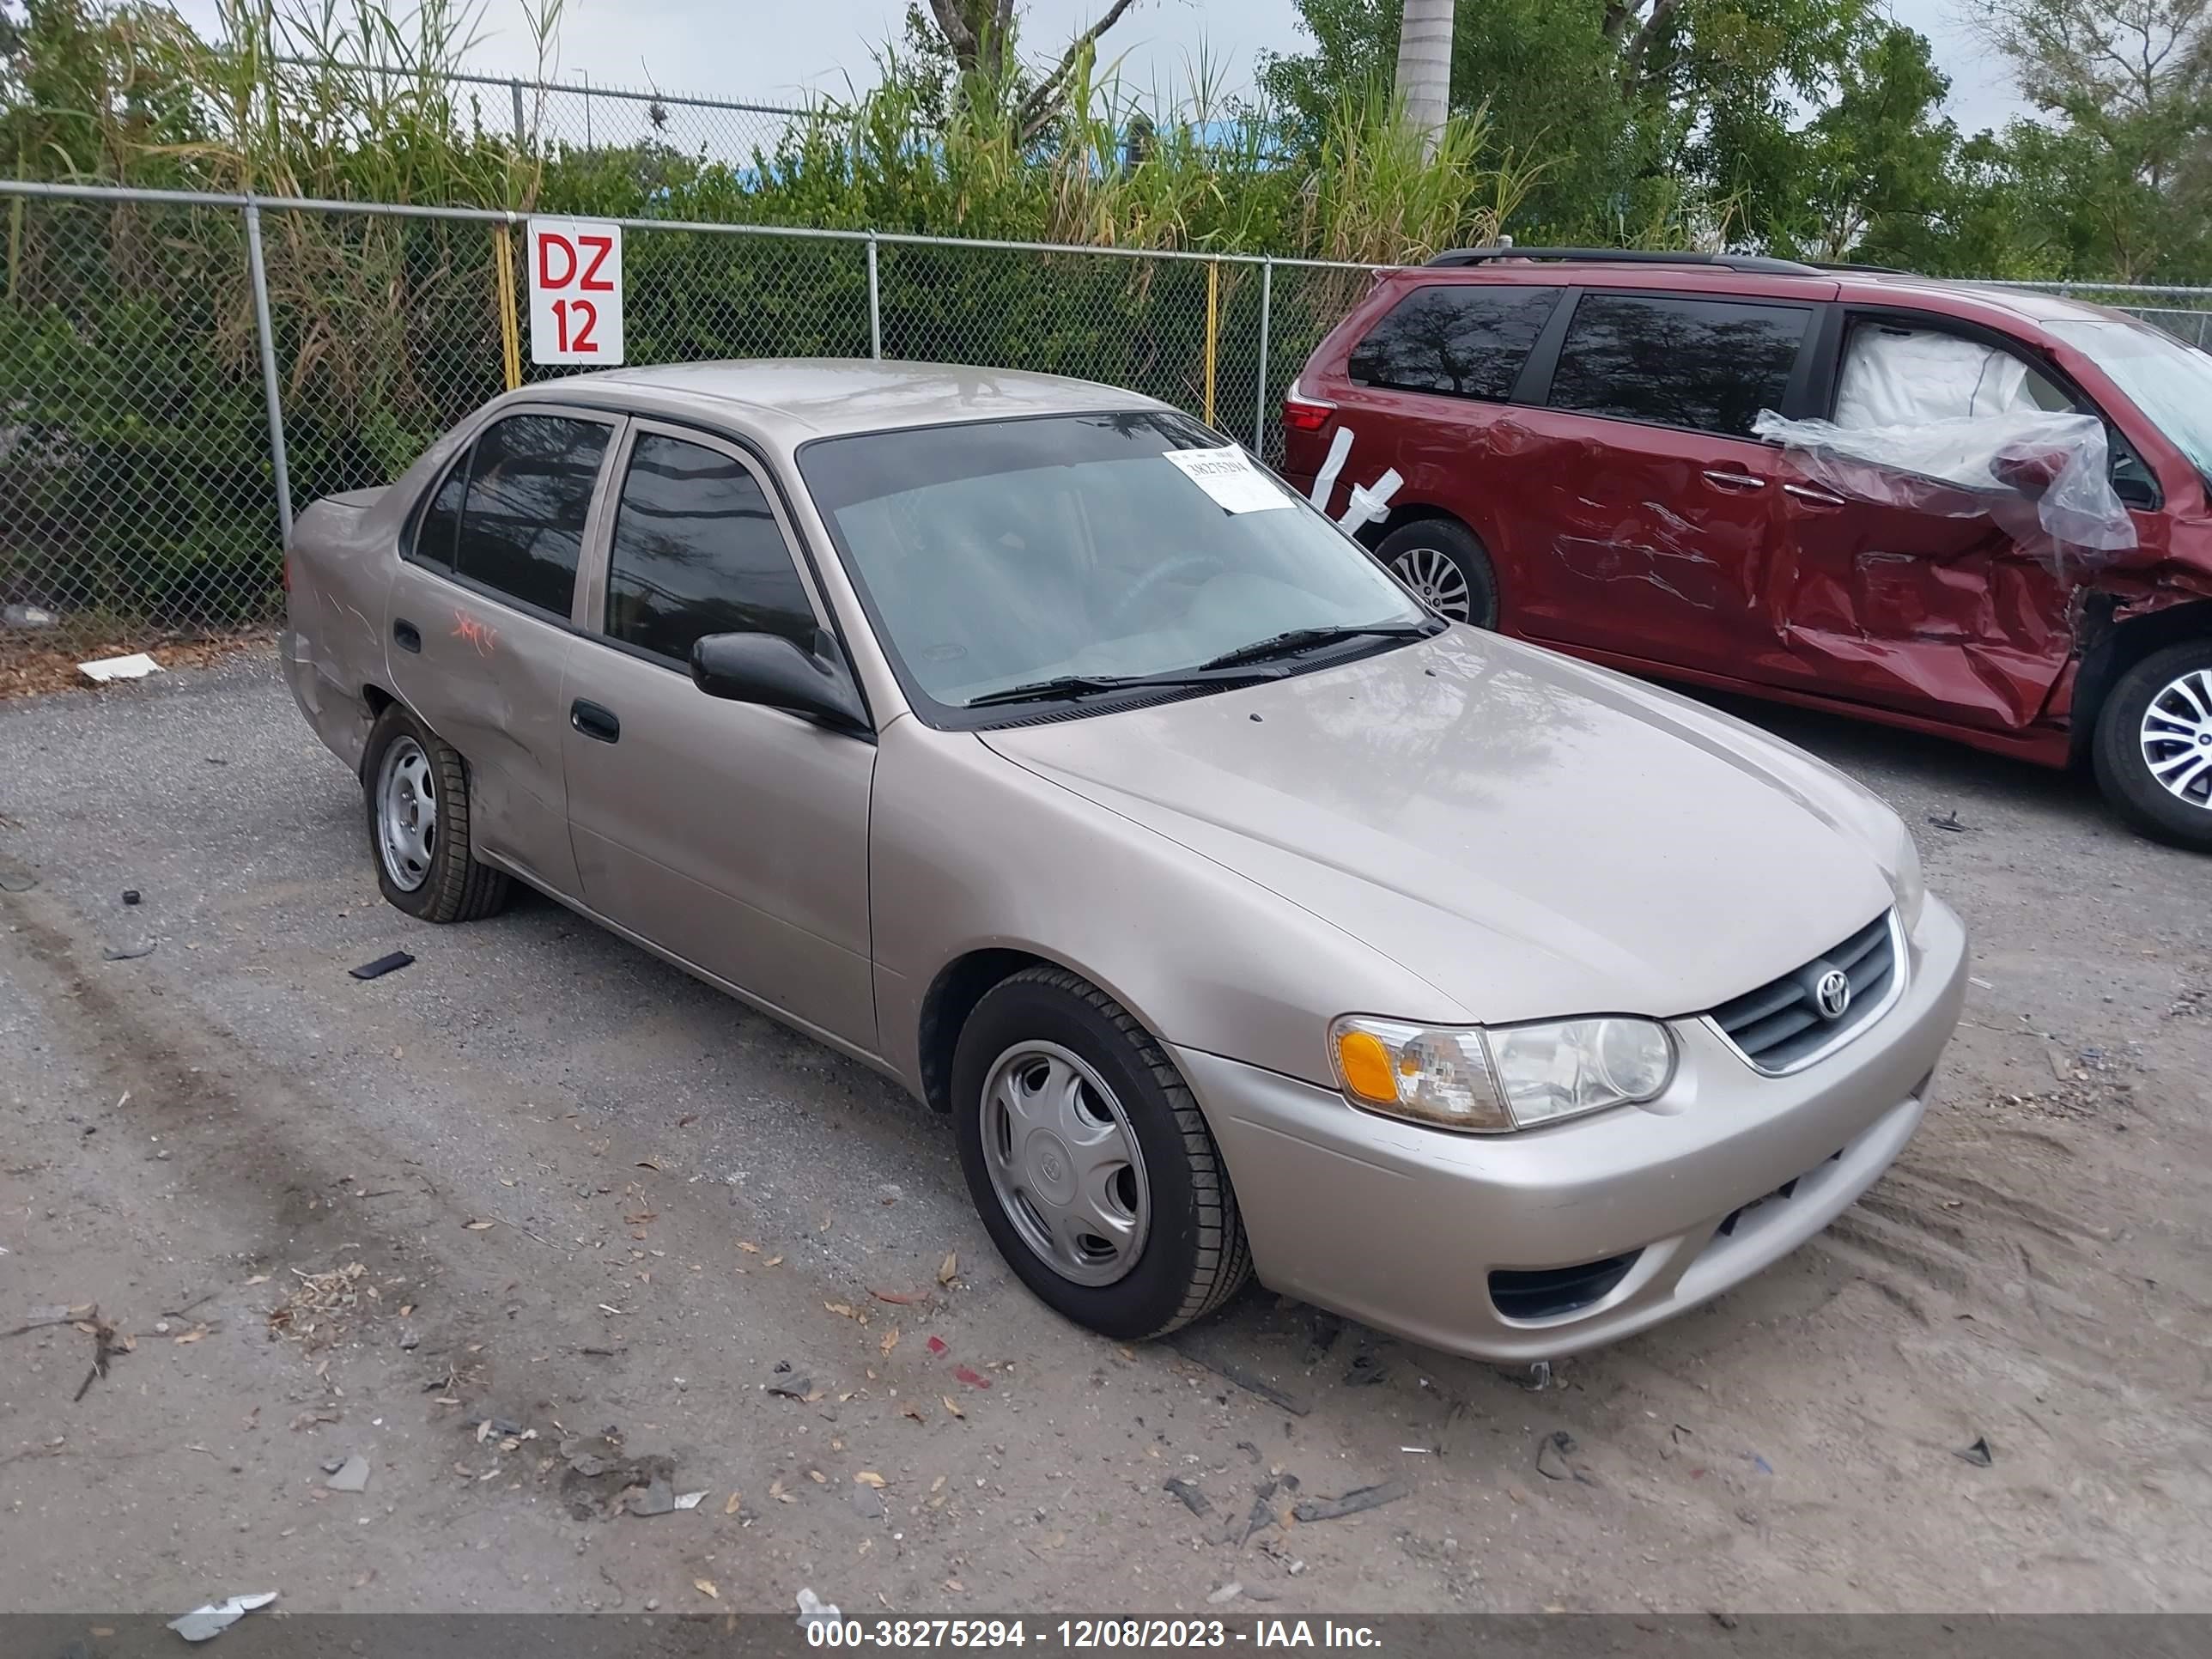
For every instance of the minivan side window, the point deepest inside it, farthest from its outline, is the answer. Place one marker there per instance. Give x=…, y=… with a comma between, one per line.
x=697, y=551
x=1454, y=339
x=1707, y=365
x=522, y=519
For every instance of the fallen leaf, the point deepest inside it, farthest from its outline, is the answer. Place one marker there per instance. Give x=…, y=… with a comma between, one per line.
x=948, y=1267
x=938, y=1485
x=647, y=1164
x=773, y=1261
x=730, y=1507
x=843, y=1310
x=749, y=1249
x=193, y=1335
x=890, y=1341
x=258, y=1279
x=974, y=1380
x=478, y=1226
x=705, y=1588
x=776, y=1491
x=953, y=1408
x=902, y=1299
x=915, y=1412
x=869, y=1478
x=818, y=1477
x=687, y=1119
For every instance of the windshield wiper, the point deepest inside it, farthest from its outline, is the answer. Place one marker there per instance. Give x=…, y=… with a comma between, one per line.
x=1304, y=639
x=1084, y=685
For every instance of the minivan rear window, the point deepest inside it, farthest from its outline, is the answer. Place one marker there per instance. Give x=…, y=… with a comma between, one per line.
x=1454, y=339
x=1708, y=365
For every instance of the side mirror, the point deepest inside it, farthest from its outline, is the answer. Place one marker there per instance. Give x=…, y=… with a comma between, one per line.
x=769, y=670
x=2030, y=473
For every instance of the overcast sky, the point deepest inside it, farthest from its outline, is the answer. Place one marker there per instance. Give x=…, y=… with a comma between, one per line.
x=775, y=51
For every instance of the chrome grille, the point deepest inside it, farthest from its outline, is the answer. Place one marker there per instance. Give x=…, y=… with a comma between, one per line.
x=1780, y=1028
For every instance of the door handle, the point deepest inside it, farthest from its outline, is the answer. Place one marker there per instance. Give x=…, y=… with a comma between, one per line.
x=1817, y=497
x=406, y=635
x=1734, y=480
x=594, y=722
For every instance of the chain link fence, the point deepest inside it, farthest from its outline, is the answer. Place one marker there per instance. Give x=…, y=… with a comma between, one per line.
x=168, y=390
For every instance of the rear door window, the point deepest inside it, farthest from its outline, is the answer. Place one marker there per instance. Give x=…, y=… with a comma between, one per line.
x=1454, y=339
x=522, y=520
x=697, y=551
x=1705, y=365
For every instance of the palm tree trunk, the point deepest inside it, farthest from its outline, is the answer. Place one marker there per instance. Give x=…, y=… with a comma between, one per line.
x=1424, y=47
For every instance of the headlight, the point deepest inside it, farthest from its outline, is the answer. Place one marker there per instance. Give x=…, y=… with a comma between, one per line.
x=1511, y=1077
x=1904, y=880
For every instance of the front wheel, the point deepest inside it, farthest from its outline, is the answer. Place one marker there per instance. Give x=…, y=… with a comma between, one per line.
x=1444, y=561
x=1089, y=1161
x=2153, y=745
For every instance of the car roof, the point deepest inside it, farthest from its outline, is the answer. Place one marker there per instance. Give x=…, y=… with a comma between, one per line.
x=791, y=399
x=1851, y=285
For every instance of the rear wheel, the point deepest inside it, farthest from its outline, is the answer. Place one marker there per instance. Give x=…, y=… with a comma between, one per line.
x=417, y=794
x=2153, y=745
x=1444, y=561
x=1089, y=1161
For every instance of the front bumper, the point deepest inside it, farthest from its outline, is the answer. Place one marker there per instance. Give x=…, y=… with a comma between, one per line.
x=1401, y=1227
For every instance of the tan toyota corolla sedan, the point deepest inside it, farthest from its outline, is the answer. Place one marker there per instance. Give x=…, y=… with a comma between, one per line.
x=1018, y=736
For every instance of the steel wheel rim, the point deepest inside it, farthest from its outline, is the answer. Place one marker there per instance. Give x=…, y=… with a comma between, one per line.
x=406, y=814
x=1435, y=576
x=2176, y=739
x=1064, y=1164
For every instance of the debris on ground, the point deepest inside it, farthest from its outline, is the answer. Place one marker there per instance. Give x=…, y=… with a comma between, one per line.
x=600, y=1483
x=1949, y=821
x=382, y=966
x=1555, y=1455
x=1535, y=1377
x=1324, y=1329
x=1267, y=1509
x=889, y=1192
x=14, y=879
x=948, y=1269
x=55, y=1312
x=129, y=952
x=1352, y=1503
x=1978, y=1454
x=814, y=1611
x=203, y=1623
x=690, y=1500
x=1228, y=1592
x=866, y=1501
x=1366, y=1368
x=788, y=1384
x=1193, y=1499
x=27, y=615
x=1243, y=1376
x=1760, y=1463
x=130, y=895
x=106, y=1345
x=321, y=1305
x=105, y=670
x=352, y=1475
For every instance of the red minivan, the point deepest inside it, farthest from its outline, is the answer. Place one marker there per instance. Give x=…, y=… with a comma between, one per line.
x=1570, y=432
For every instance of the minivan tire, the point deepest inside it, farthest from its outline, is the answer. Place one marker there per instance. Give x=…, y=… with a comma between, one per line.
x=1444, y=561
x=2170, y=677
x=1194, y=1255
x=404, y=761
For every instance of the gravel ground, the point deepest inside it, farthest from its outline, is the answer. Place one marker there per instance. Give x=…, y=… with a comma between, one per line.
x=540, y=1182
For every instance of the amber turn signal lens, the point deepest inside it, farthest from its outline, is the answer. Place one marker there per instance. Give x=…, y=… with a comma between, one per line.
x=1364, y=1065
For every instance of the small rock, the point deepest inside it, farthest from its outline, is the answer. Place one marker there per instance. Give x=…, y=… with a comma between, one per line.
x=889, y=1192
x=352, y=1475
x=867, y=1502
x=1228, y=1592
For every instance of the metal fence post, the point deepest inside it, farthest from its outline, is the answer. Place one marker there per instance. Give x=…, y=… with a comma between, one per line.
x=520, y=138
x=1212, y=331
x=875, y=304
x=1259, y=394
x=266, y=330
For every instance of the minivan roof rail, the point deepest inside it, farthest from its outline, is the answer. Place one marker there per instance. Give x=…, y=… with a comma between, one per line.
x=1627, y=256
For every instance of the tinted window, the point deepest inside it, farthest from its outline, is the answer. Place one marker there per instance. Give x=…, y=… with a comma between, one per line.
x=1464, y=342
x=1710, y=365
x=530, y=487
x=696, y=550
x=440, y=520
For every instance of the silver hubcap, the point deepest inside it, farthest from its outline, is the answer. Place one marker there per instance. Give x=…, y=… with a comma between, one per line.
x=1063, y=1163
x=406, y=814
x=2177, y=738
x=1430, y=573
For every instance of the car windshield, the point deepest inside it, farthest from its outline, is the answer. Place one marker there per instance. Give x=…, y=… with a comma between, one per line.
x=1085, y=547
x=2171, y=383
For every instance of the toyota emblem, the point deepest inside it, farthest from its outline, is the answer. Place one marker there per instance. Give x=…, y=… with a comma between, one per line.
x=1833, y=995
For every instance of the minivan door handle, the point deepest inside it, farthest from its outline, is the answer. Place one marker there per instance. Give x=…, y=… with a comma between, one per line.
x=1734, y=480
x=593, y=721
x=406, y=635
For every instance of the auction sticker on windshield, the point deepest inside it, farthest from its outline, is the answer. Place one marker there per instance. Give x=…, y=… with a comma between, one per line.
x=1229, y=475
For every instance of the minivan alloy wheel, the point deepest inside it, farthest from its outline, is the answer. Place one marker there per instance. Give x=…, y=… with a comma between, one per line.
x=1430, y=573
x=1063, y=1163
x=407, y=813
x=2176, y=735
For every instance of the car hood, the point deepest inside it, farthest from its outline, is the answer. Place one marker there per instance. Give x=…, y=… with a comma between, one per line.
x=1533, y=836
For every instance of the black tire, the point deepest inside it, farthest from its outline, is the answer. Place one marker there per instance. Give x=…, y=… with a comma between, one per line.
x=1195, y=1256
x=2123, y=770
x=452, y=886
x=1402, y=552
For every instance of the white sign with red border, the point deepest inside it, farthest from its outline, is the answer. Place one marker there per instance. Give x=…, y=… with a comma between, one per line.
x=576, y=292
